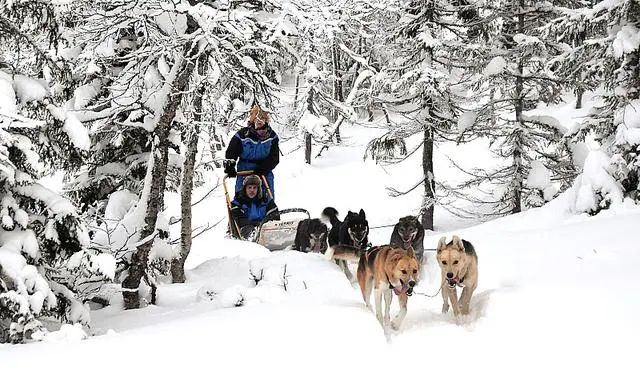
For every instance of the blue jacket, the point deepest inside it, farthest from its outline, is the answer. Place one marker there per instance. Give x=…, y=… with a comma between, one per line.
x=251, y=211
x=252, y=152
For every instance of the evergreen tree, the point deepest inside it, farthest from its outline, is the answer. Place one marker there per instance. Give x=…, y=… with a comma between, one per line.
x=47, y=267
x=416, y=83
x=510, y=79
x=610, y=55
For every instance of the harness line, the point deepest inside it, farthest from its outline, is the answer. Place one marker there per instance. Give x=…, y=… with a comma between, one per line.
x=430, y=296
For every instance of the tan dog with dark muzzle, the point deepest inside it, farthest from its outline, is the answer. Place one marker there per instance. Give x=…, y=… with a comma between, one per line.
x=388, y=270
x=459, y=267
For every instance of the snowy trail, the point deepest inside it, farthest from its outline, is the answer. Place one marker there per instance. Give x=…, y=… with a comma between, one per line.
x=555, y=291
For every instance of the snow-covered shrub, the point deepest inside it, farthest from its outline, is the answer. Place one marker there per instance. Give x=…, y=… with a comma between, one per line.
x=47, y=268
x=610, y=56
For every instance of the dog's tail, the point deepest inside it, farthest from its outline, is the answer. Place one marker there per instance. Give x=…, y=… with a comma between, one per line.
x=331, y=214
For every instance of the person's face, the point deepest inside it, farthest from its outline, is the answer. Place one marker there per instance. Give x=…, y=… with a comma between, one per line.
x=252, y=190
x=259, y=123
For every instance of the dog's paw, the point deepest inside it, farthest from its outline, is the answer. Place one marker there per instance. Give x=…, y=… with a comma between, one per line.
x=445, y=308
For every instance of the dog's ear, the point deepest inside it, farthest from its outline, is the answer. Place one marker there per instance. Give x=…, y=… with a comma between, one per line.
x=410, y=252
x=442, y=243
x=362, y=214
x=457, y=243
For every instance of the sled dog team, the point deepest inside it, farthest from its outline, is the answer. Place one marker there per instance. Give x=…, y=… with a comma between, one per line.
x=392, y=269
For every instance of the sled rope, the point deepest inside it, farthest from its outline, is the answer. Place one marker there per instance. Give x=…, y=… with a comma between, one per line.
x=382, y=226
x=427, y=295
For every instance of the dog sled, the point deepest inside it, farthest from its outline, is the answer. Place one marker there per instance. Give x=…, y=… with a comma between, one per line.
x=272, y=234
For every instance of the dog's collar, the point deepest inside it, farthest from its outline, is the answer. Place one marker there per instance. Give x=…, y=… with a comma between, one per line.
x=391, y=287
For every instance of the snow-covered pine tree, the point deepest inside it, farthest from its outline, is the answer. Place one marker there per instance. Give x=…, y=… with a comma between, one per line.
x=32, y=44
x=416, y=84
x=610, y=54
x=569, y=64
x=46, y=266
x=510, y=78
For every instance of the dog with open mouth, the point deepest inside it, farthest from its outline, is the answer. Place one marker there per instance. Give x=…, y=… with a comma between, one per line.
x=388, y=270
x=458, y=263
x=408, y=232
x=348, y=239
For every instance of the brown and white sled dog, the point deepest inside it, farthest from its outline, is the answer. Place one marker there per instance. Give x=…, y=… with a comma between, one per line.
x=459, y=267
x=388, y=270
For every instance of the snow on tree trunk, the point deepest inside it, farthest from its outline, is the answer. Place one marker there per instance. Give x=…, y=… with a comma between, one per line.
x=337, y=85
x=307, y=133
x=192, y=134
x=155, y=203
x=517, y=183
x=177, y=265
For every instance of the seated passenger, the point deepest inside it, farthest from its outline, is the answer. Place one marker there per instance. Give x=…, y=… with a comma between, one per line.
x=250, y=207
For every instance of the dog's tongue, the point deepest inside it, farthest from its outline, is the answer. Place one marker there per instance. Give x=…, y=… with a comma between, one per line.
x=402, y=289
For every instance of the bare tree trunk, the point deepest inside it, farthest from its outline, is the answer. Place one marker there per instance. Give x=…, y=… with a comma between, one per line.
x=517, y=153
x=579, y=94
x=337, y=85
x=386, y=116
x=177, y=265
x=295, y=97
x=155, y=203
x=580, y=89
x=192, y=133
x=307, y=147
x=429, y=197
x=307, y=135
x=428, y=202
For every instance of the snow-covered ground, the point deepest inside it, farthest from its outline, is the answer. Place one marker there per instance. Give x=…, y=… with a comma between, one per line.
x=556, y=290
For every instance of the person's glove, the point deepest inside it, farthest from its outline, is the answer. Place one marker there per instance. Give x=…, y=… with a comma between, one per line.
x=231, y=172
